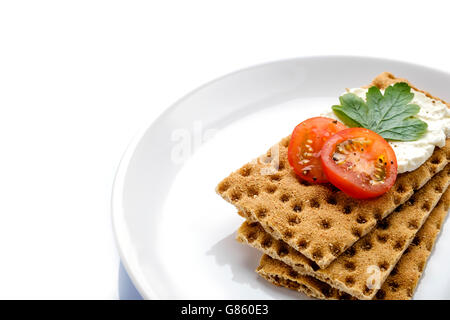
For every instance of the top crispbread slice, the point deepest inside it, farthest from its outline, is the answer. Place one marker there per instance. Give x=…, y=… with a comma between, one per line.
x=317, y=220
x=378, y=251
x=399, y=285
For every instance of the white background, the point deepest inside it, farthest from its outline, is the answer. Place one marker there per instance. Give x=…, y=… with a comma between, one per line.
x=78, y=78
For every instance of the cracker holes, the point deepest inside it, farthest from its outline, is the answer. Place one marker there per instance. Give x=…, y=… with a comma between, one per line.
x=411, y=201
x=366, y=245
x=317, y=254
x=302, y=244
x=350, y=252
x=325, y=224
x=285, y=197
x=275, y=177
x=381, y=294
x=413, y=225
x=347, y=209
x=399, y=244
x=383, y=225
x=314, y=203
x=426, y=206
x=293, y=220
x=282, y=251
x=293, y=274
x=438, y=189
x=252, y=236
x=267, y=242
x=367, y=291
x=271, y=188
x=356, y=232
x=400, y=188
x=349, y=281
x=382, y=238
x=288, y=235
x=335, y=249
x=432, y=170
x=393, y=285
x=397, y=199
x=436, y=160
x=361, y=219
x=261, y=213
x=245, y=171
x=350, y=265
x=384, y=265
x=297, y=207
x=252, y=192
x=236, y=195
x=253, y=224
x=332, y=201
x=377, y=214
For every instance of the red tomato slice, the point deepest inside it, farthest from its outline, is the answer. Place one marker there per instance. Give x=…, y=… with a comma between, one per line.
x=359, y=162
x=305, y=147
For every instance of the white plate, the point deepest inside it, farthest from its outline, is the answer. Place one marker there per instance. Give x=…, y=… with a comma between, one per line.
x=175, y=235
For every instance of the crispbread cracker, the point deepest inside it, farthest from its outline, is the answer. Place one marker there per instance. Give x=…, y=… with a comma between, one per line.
x=385, y=79
x=280, y=274
x=399, y=285
x=403, y=279
x=319, y=221
x=381, y=248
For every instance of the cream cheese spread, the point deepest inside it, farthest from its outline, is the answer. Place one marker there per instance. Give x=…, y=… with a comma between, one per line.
x=412, y=154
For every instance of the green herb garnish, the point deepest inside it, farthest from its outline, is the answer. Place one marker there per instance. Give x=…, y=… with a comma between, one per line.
x=390, y=115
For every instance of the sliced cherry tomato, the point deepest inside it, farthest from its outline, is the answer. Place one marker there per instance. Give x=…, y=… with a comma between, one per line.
x=306, y=142
x=359, y=162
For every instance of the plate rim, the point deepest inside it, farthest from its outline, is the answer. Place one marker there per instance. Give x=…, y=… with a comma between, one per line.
x=120, y=234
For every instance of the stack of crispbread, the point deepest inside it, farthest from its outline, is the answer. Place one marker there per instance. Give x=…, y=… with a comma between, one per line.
x=317, y=240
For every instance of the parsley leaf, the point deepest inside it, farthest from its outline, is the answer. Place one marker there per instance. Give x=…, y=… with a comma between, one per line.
x=390, y=115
